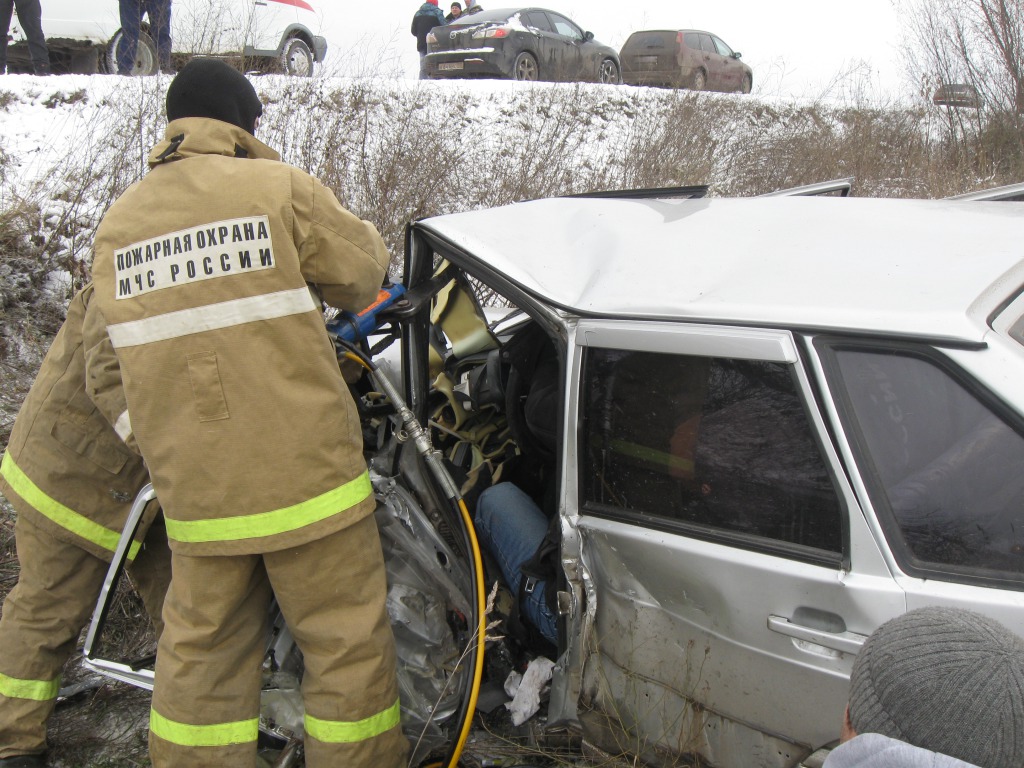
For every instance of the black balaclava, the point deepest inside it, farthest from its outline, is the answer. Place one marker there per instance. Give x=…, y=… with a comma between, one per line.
x=212, y=88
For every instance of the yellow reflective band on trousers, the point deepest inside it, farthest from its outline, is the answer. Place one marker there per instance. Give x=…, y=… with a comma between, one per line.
x=276, y=521
x=342, y=732
x=36, y=690
x=652, y=456
x=63, y=516
x=217, y=735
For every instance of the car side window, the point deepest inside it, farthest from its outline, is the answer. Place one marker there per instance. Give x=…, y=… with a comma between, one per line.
x=721, y=47
x=692, y=40
x=565, y=28
x=945, y=468
x=708, y=443
x=537, y=20
x=707, y=45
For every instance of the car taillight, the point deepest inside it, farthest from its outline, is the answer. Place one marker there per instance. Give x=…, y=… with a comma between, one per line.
x=679, y=38
x=431, y=37
x=487, y=32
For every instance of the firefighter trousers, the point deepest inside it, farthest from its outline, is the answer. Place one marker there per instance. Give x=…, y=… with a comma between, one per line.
x=332, y=593
x=44, y=615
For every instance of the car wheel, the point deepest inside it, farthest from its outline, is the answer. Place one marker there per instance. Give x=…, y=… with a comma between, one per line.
x=297, y=58
x=748, y=84
x=700, y=79
x=146, y=62
x=609, y=72
x=525, y=67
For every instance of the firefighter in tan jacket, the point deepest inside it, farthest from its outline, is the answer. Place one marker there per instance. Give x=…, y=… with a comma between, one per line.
x=72, y=481
x=250, y=434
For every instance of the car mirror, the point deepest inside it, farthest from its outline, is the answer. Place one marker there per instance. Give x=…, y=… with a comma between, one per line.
x=736, y=54
x=588, y=36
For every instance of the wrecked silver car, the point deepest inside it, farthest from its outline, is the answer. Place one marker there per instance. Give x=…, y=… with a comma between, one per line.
x=769, y=438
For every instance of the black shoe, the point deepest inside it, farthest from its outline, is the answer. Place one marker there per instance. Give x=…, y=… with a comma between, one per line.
x=23, y=761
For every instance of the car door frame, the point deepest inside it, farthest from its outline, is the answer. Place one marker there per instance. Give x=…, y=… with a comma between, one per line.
x=571, y=64
x=713, y=62
x=732, y=70
x=703, y=637
x=545, y=42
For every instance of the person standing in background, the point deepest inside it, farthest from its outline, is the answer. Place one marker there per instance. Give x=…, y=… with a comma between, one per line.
x=159, y=14
x=456, y=12
x=30, y=15
x=425, y=19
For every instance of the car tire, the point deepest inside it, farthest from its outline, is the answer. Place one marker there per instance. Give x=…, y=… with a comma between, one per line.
x=146, y=61
x=700, y=80
x=609, y=73
x=297, y=58
x=525, y=67
x=748, y=84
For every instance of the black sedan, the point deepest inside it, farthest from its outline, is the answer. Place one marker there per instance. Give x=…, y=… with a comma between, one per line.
x=520, y=43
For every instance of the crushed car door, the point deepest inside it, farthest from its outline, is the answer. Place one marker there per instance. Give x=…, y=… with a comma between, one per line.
x=730, y=571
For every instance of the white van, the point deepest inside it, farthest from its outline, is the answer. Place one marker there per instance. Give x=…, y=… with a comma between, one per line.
x=270, y=35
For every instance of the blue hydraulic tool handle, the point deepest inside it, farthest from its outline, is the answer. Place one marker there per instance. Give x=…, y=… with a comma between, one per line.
x=355, y=327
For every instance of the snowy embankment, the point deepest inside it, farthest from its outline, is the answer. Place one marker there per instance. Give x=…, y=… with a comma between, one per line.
x=394, y=150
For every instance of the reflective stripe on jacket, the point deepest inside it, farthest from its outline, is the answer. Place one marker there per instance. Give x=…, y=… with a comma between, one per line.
x=65, y=467
x=233, y=386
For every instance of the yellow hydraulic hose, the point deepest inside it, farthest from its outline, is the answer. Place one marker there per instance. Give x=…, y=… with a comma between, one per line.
x=421, y=440
x=481, y=632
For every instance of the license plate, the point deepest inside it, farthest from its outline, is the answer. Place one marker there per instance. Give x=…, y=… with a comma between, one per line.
x=647, y=62
x=448, y=66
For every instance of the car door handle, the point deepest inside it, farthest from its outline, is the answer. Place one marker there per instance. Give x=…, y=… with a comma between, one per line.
x=847, y=642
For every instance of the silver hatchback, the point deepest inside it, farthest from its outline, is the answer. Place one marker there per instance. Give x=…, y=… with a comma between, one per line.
x=773, y=437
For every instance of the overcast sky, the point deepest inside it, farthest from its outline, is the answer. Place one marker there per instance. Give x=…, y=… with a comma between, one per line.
x=795, y=47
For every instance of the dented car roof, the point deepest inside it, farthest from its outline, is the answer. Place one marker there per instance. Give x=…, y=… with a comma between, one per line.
x=933, y=268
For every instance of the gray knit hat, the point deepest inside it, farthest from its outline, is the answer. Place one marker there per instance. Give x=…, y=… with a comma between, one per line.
x=947, y=680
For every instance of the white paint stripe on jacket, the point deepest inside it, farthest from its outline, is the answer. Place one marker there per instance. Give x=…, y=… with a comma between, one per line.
x=210, y=317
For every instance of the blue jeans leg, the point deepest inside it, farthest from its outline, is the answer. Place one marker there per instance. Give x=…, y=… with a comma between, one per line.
x=159, y=13
x=511, y=527
x=131, y=25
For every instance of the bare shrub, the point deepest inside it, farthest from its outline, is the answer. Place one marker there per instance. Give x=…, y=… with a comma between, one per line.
x=977, y=45
x=672, y=146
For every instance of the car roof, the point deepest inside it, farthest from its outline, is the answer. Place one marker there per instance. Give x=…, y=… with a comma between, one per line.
x=922, y=268
x=498, y=14
x=675, y=31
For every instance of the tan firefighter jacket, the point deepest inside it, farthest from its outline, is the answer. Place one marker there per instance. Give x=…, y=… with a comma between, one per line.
x=65, y=468
x=233, y=386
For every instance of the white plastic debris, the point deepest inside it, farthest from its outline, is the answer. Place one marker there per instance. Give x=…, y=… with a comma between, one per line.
x=526, y=690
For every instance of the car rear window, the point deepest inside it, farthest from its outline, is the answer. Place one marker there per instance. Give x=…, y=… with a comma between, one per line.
x=482, y=17
x=652, y=40
x=713, y=443
x=944, y=466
